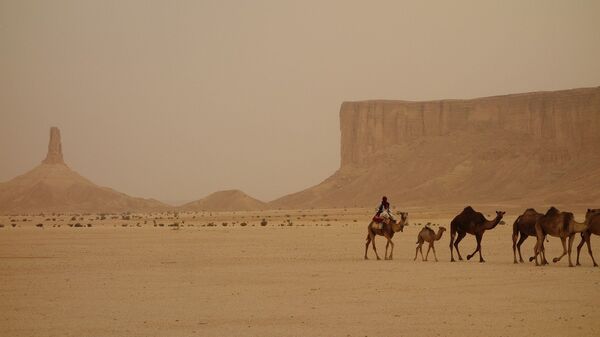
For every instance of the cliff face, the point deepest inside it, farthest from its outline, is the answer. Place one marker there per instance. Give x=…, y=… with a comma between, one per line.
x=569, y=118
x=535, y=147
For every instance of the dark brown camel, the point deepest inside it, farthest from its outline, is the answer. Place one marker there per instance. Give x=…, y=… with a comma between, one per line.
x=474, y=223
x=389, y=228
x=428, y=235
x=558, y=224
x=592, y=217
x=525, y=226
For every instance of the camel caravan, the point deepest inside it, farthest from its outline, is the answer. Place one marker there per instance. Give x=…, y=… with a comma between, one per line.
x=531, y=223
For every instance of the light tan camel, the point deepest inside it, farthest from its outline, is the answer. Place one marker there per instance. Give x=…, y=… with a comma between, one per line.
x=558, y=224
x=389, y=228
x=592, y=217
x=428, y=235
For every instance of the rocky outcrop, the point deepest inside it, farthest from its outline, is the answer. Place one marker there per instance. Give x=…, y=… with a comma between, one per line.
x=568, y=118
x=539, y=147
x=53, y=187
x=229, y=200
x=55, y=155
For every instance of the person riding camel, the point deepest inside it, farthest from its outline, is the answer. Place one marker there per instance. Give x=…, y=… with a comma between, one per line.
x=383, y=212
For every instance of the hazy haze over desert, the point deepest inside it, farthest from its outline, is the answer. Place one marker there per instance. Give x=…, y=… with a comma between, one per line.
x=205, y=96
x=212, y=168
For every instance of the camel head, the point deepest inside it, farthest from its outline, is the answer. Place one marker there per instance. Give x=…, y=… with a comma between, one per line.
x=399, y=225
x=591, y=212
x=499, y=215
x=442, y=229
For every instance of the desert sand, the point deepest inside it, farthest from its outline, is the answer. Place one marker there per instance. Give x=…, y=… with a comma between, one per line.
x=302, y=274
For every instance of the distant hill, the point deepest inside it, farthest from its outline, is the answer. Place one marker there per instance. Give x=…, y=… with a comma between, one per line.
x=53, y=187
x=539, y=147
x=230, y=200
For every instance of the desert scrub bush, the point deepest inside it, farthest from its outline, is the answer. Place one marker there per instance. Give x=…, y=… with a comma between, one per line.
x=89, y=225
x=263, y=222
x=1, y=225
x=502, y=222
x=243, y=224
x=224, y=224
x=78, y=225
x=41, y=225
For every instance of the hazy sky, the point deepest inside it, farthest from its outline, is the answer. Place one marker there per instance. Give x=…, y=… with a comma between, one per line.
x=177, y=99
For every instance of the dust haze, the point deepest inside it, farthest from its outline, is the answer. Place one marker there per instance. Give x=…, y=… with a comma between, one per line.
x=174, y=101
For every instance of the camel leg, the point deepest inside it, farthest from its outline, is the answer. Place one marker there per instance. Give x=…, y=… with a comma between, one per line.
x=543, y=253
x=514, y=238
x=417, y=251
x=579, y=248
x=535, y=253
x=428, y=249
x=479, y=243
x=452, y=234
x=521, y=240
x=478, y=249
x=392, y=250
x=461, y=235
x=538, y=248
x=387, y=244
x=588, y=240
x=421, y=250
x=571, y=239
x=374, y=248
x=564, y=244
x=367, y=246
x=434, y=254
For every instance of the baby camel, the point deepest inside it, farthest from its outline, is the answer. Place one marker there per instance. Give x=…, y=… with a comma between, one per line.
x=427, y=234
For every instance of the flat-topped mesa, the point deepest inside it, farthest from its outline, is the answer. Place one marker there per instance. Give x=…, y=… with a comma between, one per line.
x=55, y=155
x=568, y=118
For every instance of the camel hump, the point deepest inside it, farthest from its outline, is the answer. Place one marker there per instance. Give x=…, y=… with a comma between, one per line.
x=530, y=210
x=552, y=211
x=468, y=209
x=567, y=220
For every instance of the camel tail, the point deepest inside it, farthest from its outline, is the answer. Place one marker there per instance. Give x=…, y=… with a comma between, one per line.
x=515, y=227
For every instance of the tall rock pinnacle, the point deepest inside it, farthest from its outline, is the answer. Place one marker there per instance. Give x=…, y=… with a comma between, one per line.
x=55, y=155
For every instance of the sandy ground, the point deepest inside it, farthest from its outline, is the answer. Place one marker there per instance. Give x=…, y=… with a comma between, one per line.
x=308, y=278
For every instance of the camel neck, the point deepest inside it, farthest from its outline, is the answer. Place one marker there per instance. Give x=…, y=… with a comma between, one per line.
x=491, y=224
x=579, y=227
x=439, y=234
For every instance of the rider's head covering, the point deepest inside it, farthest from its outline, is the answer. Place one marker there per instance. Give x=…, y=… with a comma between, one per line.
x=384, y=198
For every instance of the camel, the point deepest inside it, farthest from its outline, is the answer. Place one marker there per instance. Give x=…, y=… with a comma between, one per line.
x=474, y=223
x=427, y=234
x=388, y=230
x=592, y=217
x=525, y=226
x=558, y=224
